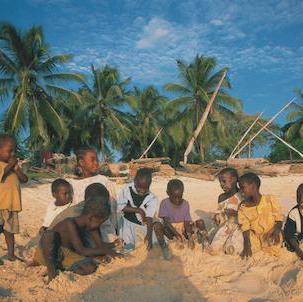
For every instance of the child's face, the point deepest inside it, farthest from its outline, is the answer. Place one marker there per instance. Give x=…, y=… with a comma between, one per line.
x=227, y=182
x=95, y=221
x=63, y=195
x=90, y=163
x=248, y=189
x=7, y=151
x=141, y=185
x=176, y=196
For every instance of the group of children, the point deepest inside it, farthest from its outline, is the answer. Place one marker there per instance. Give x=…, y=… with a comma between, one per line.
x=87, y=223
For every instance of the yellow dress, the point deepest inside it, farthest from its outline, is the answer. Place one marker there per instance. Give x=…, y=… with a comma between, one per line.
x=259, y=220
x=10, y=193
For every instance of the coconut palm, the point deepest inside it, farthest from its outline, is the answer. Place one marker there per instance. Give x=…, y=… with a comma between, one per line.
x=197, y=83
x=294, y=129
x=146, y=118
x=100, y=121
x=29, y=77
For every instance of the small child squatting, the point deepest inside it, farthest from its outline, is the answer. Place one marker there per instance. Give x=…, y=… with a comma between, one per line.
x=293, y=228
x=11, y=176
x=260, y=218
x=63, y=246
x=62, y=192
x=176, y=220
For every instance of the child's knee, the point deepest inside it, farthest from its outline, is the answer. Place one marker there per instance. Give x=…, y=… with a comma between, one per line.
x=86, y=269
x=200, y=224
x=158, y=227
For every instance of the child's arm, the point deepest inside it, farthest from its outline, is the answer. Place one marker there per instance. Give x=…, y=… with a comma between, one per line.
x=78, y=246
x=129, y=209
x=9, y=167
x=247, y=245
x=149, y=233
x=170, y=226
x=21, y=176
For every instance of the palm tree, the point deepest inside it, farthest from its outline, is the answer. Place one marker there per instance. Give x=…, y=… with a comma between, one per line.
x=28, y=75
x=146, y=118
x=101, y=115
x=198, y=81
x=294, y=129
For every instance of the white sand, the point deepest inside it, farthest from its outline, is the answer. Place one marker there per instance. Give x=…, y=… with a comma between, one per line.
x=189, y=276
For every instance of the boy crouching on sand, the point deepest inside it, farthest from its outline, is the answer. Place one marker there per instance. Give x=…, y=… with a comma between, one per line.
x=62, y=192
x=293, y=229
x=176, y=220
x=10, y=193
x=138, y=207
x=63, y=246
x=260, y=218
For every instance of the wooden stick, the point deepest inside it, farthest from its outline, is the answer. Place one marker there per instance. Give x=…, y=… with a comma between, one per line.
x=282, y=140
x=269, y=122
x=150, y=145
x=244, y=135
x=203, y=119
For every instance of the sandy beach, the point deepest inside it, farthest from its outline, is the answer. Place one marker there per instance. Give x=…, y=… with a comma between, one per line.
x=189, y=276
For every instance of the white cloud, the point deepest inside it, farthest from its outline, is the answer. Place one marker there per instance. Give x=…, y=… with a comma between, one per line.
x=216, y=22
x=157, y=30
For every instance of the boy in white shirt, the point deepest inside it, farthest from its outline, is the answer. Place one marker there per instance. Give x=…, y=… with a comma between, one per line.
x=138, y=207
x=62, y=191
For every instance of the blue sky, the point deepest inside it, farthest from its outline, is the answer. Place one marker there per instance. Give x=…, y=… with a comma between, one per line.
x=261, y=41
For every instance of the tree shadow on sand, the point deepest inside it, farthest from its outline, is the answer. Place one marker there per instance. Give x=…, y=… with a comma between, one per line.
x=153, y=280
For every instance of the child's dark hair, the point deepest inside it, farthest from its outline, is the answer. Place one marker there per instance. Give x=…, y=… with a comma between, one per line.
x=96, y=189
x=4, y=138
x=251, y=178
x=231, y=171
x=82, y=152
x=144, y=173
x=59, y=182
x=97, y=207
x=299, y=193
x=175, y=184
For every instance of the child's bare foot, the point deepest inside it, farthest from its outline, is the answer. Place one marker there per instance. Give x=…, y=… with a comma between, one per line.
x=13, y=258
x=191, y=243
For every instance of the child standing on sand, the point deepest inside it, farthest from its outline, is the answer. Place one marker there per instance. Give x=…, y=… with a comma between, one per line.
x=260, y=218
x=228, y=236
x=62, y=192
x=138, y=207
x=10, y=193
x=293, y=228
x=176, y=220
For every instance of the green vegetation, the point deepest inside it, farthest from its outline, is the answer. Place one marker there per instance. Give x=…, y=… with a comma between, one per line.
x=106, y=112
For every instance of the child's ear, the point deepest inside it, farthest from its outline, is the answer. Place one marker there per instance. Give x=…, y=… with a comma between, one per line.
x=54, y=195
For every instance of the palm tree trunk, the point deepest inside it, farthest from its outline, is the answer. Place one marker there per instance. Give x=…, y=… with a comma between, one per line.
x=101, y=138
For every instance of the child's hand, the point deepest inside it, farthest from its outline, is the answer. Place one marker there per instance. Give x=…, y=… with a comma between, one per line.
x=273, y=236
x=13, y=161
x=142, y=214
x=246, y=253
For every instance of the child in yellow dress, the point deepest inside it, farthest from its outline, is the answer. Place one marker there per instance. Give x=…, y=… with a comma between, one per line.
x=260, y=218
x=10, y=193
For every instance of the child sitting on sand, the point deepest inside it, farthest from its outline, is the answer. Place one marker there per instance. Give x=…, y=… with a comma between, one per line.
x=176, y=220
x=88, y=164
x=62, y=191
x=63, y=247
x=138, y=207
x=10, y=193
x=293, y=228
x=260, y=218
x=228, y=237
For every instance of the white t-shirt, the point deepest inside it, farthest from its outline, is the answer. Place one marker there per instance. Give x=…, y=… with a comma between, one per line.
x=149, y=205
x=52, y=211
x=79, y=186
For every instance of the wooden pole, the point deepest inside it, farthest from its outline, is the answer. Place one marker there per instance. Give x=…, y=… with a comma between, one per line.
x=282, y=140
x=203, y=119
x=244, y=135
x=262, y=128
x=150, y=145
